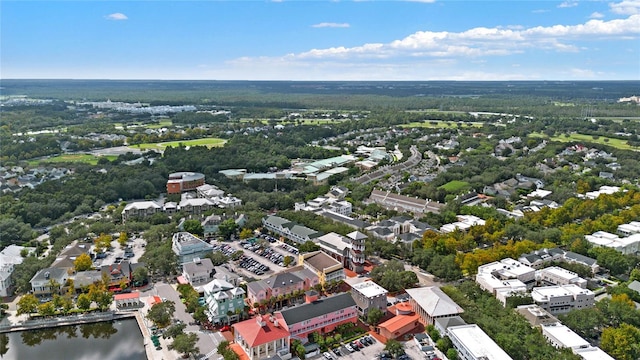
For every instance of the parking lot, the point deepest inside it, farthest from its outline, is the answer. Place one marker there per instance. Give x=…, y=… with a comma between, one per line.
x=257, y=262
x=366, y=350
x=132, y=253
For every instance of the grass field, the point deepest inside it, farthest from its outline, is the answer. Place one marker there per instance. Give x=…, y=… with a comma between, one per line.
x=161, y=124
x=454, y=186
x=436, y=124
x=294, y=122
x=208, y=142
x=613, y=142
x=73, y=158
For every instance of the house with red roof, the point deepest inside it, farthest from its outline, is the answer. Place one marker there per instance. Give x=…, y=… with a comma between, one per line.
x=262, y=337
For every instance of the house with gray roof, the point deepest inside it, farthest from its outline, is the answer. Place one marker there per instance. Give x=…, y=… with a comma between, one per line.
x=188, y=247
x=290, y=230
x=198, y=271
x=224, y=301
x=48, y=281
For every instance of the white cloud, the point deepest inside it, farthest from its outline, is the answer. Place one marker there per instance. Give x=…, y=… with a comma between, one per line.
x=422, y=1
x=596, y=15
x=626, y=7
x=568, y=4
x=116, y=17
x=540, y=11
x=330, y=25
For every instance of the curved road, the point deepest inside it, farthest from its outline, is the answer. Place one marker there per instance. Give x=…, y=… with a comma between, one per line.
x=412, y=161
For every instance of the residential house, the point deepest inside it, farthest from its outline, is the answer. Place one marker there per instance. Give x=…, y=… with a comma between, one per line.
x=196, y=206
x=48, y=281
x=369, y=295
x=224, y=301
x=120, y=274
x=198, y=272
x=318, y=315
x=290, y=230
x=431, y=303
x=10, y=256
x=188, y=247
x=140, y=209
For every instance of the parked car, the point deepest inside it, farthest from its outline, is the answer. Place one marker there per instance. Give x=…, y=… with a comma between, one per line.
x=350, y=348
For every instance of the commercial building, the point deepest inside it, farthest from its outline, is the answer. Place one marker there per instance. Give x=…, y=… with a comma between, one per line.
x=431, y=303
x=555, y=275
x=404, y=322
x=349, y=250
x=327, y=268
x=369, y=295
x=318, y=315
x=464, y=223
x=184, y=181
x=536, y=315
x=505, y=278
x=262, y=337
x=140, y=209
x=561, y=337
x=284, y=283
x=188, y=247
x=562, y=298
x=472, y=343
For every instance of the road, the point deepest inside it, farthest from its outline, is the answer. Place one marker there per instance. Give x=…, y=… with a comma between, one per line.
x=208, y=341
x=412, y=161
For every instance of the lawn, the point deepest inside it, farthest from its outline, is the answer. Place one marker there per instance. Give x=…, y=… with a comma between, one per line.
x=455, y=186
x=73, y=158
x=441, y=124
x=208, y=142
x=613, y=142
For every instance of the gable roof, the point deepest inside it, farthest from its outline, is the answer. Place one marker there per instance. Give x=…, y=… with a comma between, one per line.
x=634, y=285
x=317, y=308
x=434, y=301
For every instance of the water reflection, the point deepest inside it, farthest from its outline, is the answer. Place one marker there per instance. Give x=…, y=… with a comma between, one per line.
x=119, y=340
x=101, y=330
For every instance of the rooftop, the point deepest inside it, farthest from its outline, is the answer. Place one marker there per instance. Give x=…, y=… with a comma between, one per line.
x=257, y=334
x=369, y=289
x=317, y=308
x=434, y=301
x=477, y=342
x=320, y=261
x=564, y=336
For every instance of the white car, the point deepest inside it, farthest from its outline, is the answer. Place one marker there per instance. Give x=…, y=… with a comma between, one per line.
x=327, y=355
x=348, y=346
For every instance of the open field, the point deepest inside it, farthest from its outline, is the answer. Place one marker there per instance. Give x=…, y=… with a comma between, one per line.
x=454, y=186
x=161, y=124
x=437, y=124
x=294, y=122
x=613, y=142
x=208, y=142
x=73, y=158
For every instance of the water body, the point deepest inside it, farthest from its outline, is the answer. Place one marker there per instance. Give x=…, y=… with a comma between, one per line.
x=119, y=340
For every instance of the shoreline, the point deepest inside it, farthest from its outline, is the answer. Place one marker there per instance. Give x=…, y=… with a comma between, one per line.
x=65, y=321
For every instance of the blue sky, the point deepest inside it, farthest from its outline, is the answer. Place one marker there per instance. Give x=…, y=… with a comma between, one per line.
x=321, y=40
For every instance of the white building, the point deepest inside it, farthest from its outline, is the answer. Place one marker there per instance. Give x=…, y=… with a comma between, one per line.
x=608, y=190
x=9, y=258
x=629, y=229
x=464, y=223
x=140, y=209
x=627, y=245
x=472, y=343
x=562, y=337
x=335, y=205
x=562, y=298
x=555, y=275
x=431, y=303
x=505, y=278
x=198, y=272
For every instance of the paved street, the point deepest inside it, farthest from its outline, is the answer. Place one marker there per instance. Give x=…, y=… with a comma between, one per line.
x=208, y=341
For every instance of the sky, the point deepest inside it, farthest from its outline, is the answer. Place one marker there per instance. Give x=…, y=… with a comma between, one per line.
x=320, y=40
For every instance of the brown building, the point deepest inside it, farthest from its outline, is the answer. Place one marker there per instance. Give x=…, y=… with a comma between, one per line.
x=180, y=182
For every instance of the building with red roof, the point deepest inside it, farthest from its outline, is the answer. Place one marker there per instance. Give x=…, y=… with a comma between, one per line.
x=127, y=300
x=262, y=337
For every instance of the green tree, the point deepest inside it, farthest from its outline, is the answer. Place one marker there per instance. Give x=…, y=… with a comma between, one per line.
x=227, y=228
x=246, y=234
x=394, y=347
x=162, y=313
x=140, y=276
x=122, y=239
x=175, y=330
x=218, y=258
x=374, y=316
x=46, y=309
x=28, y=304
x=194, y=227
x=287, y=260
x=452, y=354
x=308, y=246
x=622, y=342
x=84, y=302
x=83, y=262
x=185, y=344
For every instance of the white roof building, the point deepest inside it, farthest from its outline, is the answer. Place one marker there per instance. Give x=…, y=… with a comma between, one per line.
x=625, y=245
x=592, y=353
x=561, y=337
x=473, y=343
x=505, y=277
x=629, y=229
x=603, y=190
x=464, y=223
x=369, y=289
x=562, y=298
x=555, y=275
